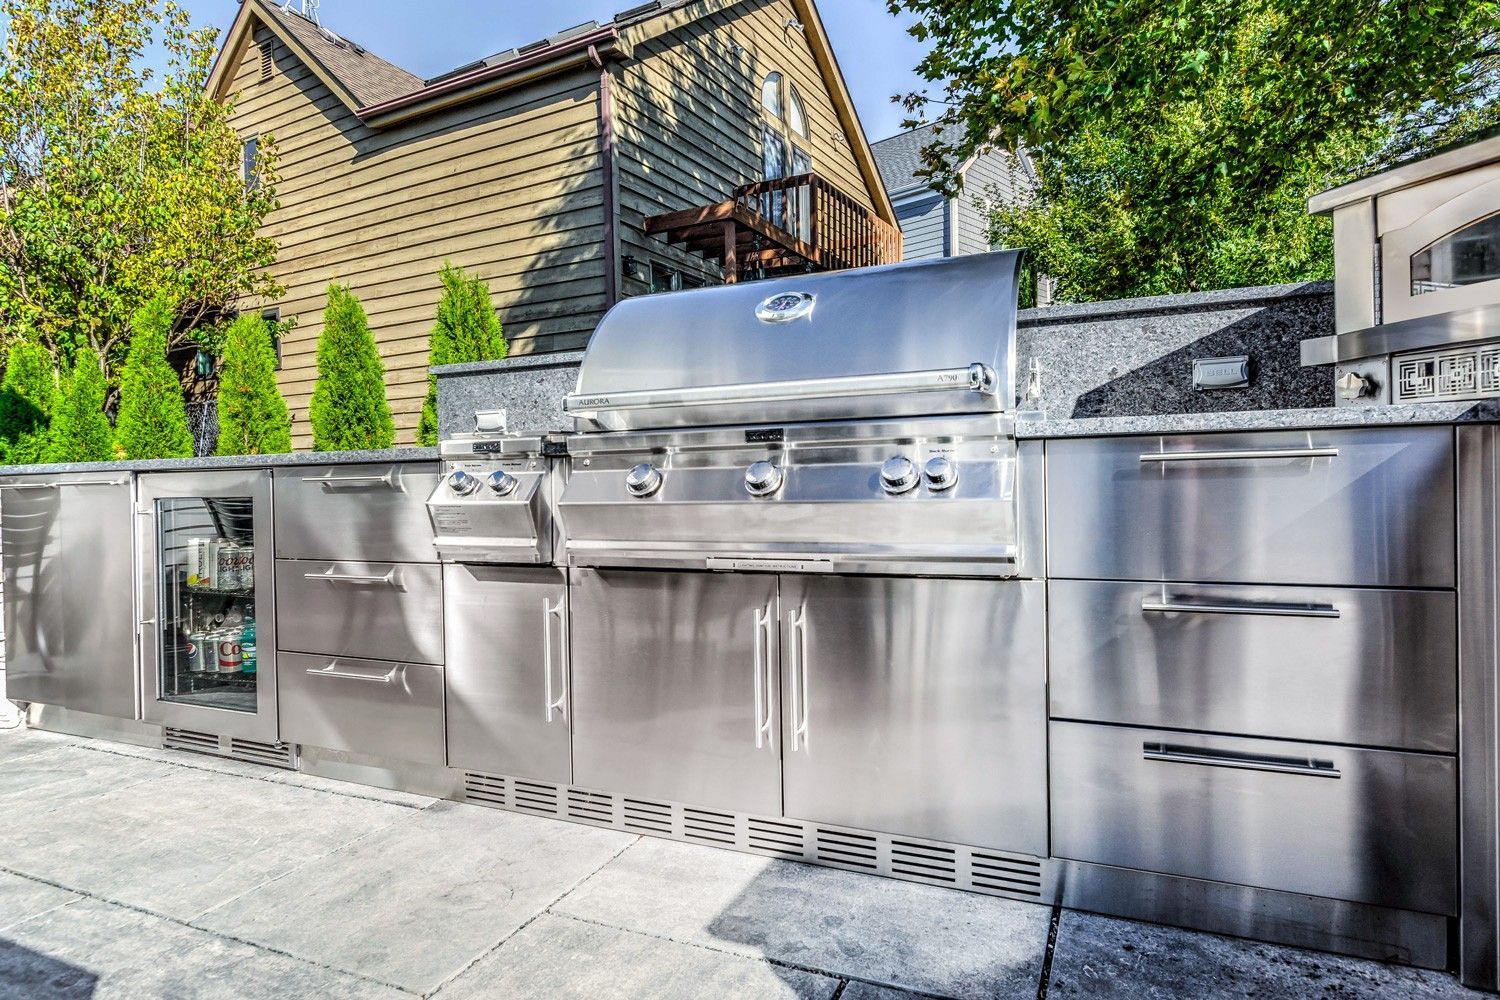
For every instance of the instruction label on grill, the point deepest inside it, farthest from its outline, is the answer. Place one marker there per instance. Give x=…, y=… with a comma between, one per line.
x=774, y=565
x=452, y=522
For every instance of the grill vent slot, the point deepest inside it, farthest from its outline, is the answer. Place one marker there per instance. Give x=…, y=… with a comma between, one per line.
x=591, y=807
x=186, y=739
x=481, y=789
x=535, y=798
x=1011, y=874
x=842, y=847
x=648, y=817
x=269, y=754
x=777, y=838
x=1452, y=373
x=924, y=861
x=250, y=751
x=712, y=827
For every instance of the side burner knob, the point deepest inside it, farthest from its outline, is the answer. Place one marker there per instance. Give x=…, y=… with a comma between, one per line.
x=643, y=480
x=462, y=483
x=942, y=474
x=502, y=483
x=899, y=475
x=763, y=478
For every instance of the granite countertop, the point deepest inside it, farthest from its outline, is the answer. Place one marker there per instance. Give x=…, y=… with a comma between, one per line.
x=230, y=462
x=1042, y=426
x=516, y=362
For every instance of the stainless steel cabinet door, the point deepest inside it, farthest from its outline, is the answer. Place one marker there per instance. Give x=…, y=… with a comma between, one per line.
x=507, y=671
x=69, y=593
x=675, y=688
x=917, y=707
x=1371, y=507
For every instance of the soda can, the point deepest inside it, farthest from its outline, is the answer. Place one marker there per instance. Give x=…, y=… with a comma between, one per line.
x=201, y=646
x=230, y=656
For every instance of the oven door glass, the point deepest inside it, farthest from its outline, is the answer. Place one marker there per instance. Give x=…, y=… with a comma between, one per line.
x=1466, y=257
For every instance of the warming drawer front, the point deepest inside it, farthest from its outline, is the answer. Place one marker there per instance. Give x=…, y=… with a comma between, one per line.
x=1371, y=507
x=392, y=710
x=388, y=611
x=1366, y=667
x=364, y=512
x=1369, y=826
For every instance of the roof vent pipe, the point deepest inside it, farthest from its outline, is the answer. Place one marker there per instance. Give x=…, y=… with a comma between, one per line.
x=307, y=9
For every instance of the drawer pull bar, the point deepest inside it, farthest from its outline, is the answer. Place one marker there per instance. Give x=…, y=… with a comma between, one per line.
x=1308, y=766
x=332, y=670
x=386, y=580
x=387, y=480
x=1278, y=610
x=1246, y=456
x=64, y=485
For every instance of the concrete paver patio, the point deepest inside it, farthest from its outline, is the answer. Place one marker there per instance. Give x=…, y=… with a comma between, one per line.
x=127, y=872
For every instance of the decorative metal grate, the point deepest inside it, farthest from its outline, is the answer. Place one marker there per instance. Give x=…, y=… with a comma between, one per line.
x=996, y=873
x=1452, y=373
x=281, y=755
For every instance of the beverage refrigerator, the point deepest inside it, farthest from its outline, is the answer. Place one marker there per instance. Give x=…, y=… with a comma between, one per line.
x=208, y=622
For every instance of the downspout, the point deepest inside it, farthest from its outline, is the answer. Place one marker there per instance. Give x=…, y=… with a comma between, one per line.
x=607, y=169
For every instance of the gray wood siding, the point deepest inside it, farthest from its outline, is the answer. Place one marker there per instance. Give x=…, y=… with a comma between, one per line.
x=924, y=225
x=689, y=120
x=994, y=176
x=509, y=187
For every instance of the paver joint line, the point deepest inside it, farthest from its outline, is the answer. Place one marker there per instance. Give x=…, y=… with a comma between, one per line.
x=1054, y=927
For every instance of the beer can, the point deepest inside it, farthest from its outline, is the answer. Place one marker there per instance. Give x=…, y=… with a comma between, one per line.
x=230, y=655
x=195, y=562
x=247, y=567
x=228, y=566
x=208, y=568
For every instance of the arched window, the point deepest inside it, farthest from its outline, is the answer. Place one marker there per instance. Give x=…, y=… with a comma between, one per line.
x=770, y=95
x=796, y=115
x=1465, y=257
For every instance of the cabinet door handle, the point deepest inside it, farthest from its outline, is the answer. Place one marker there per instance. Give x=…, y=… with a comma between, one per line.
x=1167, y=606
x=764, y=684
x=557, y=699
x=61, y=485
x=1238, y=456
x=386, y=580
x=332, y=670
x=1205, y=757
x=797, y=649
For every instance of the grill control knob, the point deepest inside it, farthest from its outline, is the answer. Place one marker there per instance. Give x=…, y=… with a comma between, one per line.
x=763, y=478
x=941, y=474
x=899, y=475
x=502, y=483
x=643, y=480
x=462, y=483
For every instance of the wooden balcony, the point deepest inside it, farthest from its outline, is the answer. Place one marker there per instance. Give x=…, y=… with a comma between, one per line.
x=788, y=226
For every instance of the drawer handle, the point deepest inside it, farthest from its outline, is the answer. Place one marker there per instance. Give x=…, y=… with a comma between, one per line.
x=328, y=482
x=386, y=580
x=332, y=670
x=62, y=485
x=1308, y=766
x=1277, y=610
x=1245, y=456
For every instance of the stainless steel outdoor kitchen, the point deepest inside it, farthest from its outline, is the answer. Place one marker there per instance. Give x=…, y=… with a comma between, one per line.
x=817, y=573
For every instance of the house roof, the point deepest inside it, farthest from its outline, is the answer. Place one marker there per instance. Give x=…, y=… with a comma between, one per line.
x=900, y=157
x=369, y=78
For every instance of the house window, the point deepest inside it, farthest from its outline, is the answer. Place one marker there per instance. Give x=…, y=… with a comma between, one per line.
x=1465, y=257
x=251, y=155
x=796, y=113
x=267, y=60
x=770, y=95
x=273, y=320
x=665, y=278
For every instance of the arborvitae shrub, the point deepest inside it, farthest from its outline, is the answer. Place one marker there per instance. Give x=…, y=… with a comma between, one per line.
x=467, y=329
x=253, y=416
x=80, y=429
x=152, y=422
x=28, y=394
x=349, y=411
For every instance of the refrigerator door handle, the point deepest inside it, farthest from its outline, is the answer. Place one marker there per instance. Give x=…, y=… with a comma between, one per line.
x=762, y=666
x=797, y=650
x=557, y=700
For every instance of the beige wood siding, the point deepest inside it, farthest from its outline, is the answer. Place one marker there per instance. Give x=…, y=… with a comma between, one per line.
x=508, y=187
x=689, y=120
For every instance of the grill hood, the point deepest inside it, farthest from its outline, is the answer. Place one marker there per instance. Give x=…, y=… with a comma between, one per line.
x=918, y=339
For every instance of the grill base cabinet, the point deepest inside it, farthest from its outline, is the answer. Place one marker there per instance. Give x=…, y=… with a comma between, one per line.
x=69, y=611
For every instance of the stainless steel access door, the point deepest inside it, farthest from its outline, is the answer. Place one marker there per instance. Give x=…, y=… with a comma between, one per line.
x=69, y=592
x=675, y=688
x=507, y=671
x=917, y=707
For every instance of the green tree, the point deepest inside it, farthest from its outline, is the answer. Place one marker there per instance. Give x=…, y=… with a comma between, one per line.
x=1175, y=142
x=253, y=416
x=348, y=411
x=118, y=182
x=152, y=422
x=80, y=428
x=467, y=329
x=28, y=394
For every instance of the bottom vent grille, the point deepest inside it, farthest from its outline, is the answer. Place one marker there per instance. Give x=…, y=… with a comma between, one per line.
x=991, y=872
x=281, y=755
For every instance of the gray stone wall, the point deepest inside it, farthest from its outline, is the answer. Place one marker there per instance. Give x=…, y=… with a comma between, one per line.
x=530, y=388
x=1134, y=357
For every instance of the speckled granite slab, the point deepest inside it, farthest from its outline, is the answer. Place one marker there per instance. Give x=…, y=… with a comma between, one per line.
x=529, y=388
x=231, y=462
x=1037, y=426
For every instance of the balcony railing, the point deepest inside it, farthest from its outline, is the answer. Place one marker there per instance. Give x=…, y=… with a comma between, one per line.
x=792, y=224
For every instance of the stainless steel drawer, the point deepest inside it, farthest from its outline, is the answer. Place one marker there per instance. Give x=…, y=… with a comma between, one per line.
x=383, y=611
x=392, y=710
x=1370, y=667
x=375, y=513
x=1370, y=826
x=1372, y=507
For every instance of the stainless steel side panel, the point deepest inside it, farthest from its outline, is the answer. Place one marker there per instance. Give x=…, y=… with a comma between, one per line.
x=916, y=707
x=674, y=685
x=393, y=710
x=1370, y=826
x=70, y=625
x=376, y=513
x=1370, y=507
x=507, y=671
x=383, y=611
x=1371, y=667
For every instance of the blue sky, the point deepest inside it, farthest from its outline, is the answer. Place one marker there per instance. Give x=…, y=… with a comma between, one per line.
x=431, y=36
